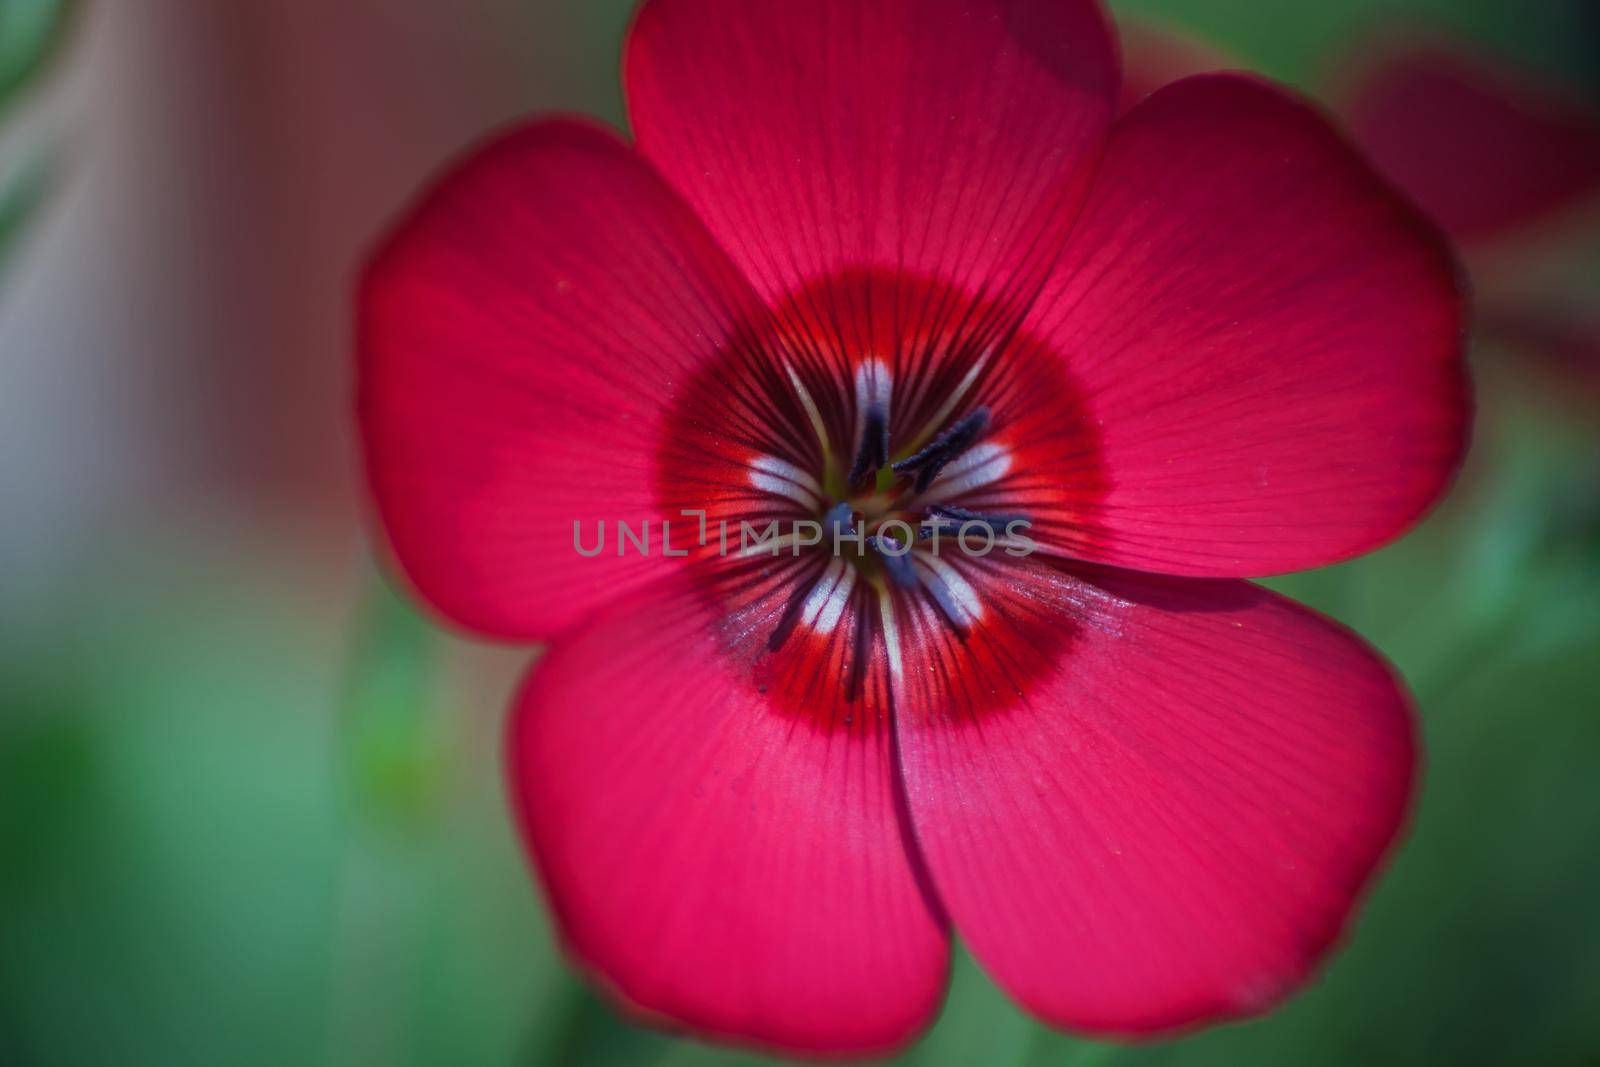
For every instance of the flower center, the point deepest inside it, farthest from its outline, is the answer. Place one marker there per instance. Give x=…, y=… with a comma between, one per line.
x=873, y=514
x=868, y=487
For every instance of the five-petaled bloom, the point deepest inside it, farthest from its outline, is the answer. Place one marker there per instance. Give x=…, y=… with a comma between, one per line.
x=876, y=260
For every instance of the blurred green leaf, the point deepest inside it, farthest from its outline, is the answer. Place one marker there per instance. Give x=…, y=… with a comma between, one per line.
x=49, y=774
x=394, y=756
x=31, y=33
x=1306, y=42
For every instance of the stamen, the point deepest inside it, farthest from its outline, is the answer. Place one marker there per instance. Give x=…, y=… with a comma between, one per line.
x=949, y=406
x=898, y=565
x=874, y=449
x=839, y=526
x=874, y=384
x=874, y=391
x=942, y=449
x=903, y=572
x=838, y=518
x=946, y=516
x=987, y=463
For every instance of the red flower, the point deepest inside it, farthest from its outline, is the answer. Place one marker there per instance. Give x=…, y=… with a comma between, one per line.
x=1507, y=165
x=1483, y=149
x=878, y=259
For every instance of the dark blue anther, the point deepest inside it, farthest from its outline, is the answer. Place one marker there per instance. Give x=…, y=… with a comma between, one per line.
x=948, y=518
x=874, y=450
x=896, y=561
x=928, y=462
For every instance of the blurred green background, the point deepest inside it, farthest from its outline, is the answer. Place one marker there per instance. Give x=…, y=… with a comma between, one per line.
x=250, y=802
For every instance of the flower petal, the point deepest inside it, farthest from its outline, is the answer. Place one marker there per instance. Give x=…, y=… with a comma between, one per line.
x=521, y=335
x=1480, y=147
x=739, y=870
x=1154, y=55
x=1174, y=824
x=1268, y=341
x=949, y=139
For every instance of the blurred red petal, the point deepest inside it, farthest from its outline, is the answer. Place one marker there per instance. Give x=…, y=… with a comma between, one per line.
x=1481, y=147
x=1173, y=825
x=1155, y=55
x=739, y=870
x=1564, y=340
x=520, y=335
x=946, y=139
x=1268, y=340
